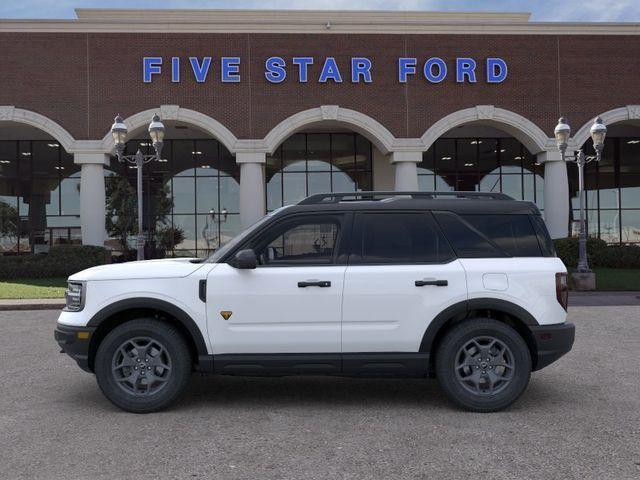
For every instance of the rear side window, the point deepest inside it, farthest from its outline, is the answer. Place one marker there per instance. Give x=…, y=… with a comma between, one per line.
x=400, y=238
x=546, y=244
x=512, y=233
x=466, y=240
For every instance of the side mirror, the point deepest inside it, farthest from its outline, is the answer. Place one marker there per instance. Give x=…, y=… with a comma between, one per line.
x=245, y=259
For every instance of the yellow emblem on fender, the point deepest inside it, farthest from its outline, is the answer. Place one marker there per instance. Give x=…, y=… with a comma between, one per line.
x=226, y=314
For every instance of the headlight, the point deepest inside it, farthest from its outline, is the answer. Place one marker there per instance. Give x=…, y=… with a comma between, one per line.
x=74, y=295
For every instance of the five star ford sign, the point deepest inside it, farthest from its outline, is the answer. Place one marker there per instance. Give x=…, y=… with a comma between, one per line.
x=361, y=69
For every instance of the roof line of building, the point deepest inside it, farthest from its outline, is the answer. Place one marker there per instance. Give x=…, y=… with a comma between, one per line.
x=310, y=21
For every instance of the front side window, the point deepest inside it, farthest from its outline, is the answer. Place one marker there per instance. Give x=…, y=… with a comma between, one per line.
x=400, y=238
x=300, y=242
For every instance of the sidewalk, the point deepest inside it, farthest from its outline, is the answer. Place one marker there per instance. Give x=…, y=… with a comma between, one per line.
x=603, y=299
x=576, y=299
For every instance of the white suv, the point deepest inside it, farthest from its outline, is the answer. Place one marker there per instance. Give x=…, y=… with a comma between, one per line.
x=462, y=286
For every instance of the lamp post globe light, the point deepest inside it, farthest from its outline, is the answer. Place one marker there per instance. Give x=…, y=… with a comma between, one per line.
x=119, y=133
x=583, y=277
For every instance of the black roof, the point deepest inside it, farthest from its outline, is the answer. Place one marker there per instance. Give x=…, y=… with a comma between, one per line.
x=457, y=202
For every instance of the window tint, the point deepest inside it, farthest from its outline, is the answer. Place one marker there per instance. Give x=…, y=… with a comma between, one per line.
x=401, y=238
x=512, y=233
x=467, y=241
x=546, y=244
x=301, y=242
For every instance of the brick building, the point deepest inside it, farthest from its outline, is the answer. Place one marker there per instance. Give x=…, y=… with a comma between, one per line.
x=265, y=107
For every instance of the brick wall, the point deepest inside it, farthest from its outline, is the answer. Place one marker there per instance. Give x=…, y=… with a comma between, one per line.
x=82, y=80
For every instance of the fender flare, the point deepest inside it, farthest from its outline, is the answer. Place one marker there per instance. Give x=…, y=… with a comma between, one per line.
x=153, y=303
x=460, y=309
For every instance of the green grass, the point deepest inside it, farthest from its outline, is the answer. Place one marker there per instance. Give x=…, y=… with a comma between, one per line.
x=607, y=279
x=33, y=288
x=619, y=279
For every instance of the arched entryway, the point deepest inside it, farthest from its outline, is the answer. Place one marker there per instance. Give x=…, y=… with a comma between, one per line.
x=325, y=149
x=39, y=184
x=482, y=159
x=191, y=195
x=485, y=148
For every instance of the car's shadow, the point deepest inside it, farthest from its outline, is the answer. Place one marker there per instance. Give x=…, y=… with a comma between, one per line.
x=226, y=392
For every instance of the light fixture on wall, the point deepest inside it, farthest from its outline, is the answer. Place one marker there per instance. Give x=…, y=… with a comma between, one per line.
x=156, y=133
x=598, y=133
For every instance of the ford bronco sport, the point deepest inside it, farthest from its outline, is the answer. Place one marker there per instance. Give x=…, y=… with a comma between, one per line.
x=462, y=286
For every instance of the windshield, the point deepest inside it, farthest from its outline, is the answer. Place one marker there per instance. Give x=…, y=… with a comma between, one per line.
x=239, y=238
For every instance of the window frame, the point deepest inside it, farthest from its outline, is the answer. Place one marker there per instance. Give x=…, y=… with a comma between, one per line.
x=355, y=254
x=342, y=244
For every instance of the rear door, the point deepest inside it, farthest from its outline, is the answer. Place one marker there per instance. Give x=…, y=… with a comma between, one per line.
x=401, y=274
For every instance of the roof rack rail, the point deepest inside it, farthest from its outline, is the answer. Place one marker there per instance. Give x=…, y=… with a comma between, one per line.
x=360, y=196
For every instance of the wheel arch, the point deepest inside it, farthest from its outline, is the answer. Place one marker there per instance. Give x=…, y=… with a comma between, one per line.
x=504, y=311
x=122, y=311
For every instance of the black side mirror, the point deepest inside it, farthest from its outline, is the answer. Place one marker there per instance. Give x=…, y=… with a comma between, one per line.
x=245, y=259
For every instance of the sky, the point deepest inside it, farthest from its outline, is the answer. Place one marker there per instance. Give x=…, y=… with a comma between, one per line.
x=542, y=10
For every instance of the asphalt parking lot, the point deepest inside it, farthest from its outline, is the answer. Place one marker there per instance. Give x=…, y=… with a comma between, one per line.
x=580, y=418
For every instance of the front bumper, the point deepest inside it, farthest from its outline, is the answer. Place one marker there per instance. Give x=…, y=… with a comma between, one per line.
x=74, y=341
x=552, y=342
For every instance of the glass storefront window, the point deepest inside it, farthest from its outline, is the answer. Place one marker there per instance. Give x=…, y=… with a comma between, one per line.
x=612, y=188
x=193, y=189
x=39, y=196
x=308, y=163
x=482, y=164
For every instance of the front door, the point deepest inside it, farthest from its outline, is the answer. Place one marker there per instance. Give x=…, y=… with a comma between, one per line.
x=292, y=302
x=401, y=274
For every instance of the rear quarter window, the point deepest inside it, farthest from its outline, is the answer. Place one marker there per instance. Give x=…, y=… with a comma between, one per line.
x=466, y=240
x=514, y=234
x=546, y=244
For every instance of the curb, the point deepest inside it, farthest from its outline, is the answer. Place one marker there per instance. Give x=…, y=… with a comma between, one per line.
x=38, y=304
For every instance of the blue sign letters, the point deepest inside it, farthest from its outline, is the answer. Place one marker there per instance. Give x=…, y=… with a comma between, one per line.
x=327, y=70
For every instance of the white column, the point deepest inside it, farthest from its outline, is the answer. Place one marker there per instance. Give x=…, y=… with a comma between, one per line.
x=556, y=194
x=92, y=197
x=406, y=166
x=252, y=189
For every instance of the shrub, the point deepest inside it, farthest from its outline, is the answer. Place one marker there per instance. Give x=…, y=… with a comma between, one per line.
x=567, y=250
x=61, y=261
x=618, y=256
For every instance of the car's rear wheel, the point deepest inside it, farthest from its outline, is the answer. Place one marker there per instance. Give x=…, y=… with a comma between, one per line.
x=143, y=365
x=483, y=365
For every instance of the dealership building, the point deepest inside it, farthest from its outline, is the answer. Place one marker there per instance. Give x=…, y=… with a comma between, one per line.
x=263, y=108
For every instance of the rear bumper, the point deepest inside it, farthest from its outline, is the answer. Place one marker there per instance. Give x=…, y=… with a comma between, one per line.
x=74, y=341
x=552, y=342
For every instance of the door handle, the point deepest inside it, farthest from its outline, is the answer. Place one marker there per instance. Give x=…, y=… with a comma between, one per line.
x=314, y=283
x=437, y=283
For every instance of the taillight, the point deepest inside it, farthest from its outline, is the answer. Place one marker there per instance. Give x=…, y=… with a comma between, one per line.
x=562, y=289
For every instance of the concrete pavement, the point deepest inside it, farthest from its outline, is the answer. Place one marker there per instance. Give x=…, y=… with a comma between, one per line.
x=579, y=418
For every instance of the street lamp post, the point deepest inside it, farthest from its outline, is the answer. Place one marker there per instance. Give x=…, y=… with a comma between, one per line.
x=598, y=132
x=156, y=132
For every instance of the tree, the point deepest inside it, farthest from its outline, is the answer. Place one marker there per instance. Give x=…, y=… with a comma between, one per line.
x=8, y=220
x=122, y=211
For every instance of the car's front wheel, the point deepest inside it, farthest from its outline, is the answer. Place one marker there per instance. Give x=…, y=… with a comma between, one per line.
x=483, y=365
x=143, y=365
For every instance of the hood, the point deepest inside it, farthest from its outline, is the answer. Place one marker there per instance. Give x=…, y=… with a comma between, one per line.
x=165, y=268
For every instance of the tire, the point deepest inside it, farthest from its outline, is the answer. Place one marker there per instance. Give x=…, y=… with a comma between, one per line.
x=133, y=353
x=474, y=383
